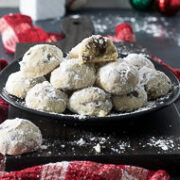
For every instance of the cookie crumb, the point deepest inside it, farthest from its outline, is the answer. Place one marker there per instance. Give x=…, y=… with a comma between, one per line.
x=97, y=148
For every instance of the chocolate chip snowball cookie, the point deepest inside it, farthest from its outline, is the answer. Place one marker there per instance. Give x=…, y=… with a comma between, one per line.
x=156, y=83
x=45, y=97
x=139, y=60
x=94, y=49
x=118, y=77
x=131, y=101
x=18, y=85
x=19, y=136
x=72, y=75
x=40, y=59
x=90, y=101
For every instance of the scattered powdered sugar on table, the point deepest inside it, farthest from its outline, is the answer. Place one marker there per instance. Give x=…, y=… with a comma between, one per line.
x=147, y=25
x=43, y=147
x=99, y=27
x=94, y=144
x=81, y=142
x=151, y=25
x=89, y=143
x=162, y=143
x=80, y=117
x=121, y=147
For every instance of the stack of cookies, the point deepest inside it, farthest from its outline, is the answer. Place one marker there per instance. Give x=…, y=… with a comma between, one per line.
x=91, y=80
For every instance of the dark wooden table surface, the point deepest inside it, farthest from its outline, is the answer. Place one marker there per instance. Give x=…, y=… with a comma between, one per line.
x=159, y=34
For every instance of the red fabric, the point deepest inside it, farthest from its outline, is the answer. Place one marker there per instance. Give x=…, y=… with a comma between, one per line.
x=83, y=170
x=124, y=33
x=28, y=174
x=17, y=28
x=173, y=70
x=3, y=110
x=3, y=64
x=53, y=37
x=160, y=175
x=97, y=171
x=3, y=105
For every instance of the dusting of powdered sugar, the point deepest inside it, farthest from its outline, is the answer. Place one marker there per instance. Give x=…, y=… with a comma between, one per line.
x=139, y=60
x=93, y=143
x=163, y=143
x=154, y=26
x=89, y=143
x=145, y=24
x=146, y=74
x=81, y=142
x=119, y=75
x=75, y=75
x=45, y=91
x=10, y=125
x=19, y=135
x=149, y=105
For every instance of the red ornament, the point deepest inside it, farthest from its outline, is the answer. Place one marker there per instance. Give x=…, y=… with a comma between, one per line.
x=123, y=33
x=168, y=7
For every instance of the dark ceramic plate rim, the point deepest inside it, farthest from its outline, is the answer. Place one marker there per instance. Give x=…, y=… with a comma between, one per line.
x=65, y=117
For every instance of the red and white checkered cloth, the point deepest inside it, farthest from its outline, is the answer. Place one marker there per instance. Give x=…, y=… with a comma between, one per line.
x=19, y=28
x=84, y=170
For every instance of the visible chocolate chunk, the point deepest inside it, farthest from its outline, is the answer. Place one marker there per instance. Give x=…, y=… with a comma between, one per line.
x=13, y=138
x=123, y=72
x=29, y=53
x=47, y=91
x=169, y=82
x=101, y=44
x=133, y=93
x=86, y=58
x=96, y=103
x=88, y=46
x=151, y=94
x=36, y=94
x=49, y=57
x=145, y=88
x=144, y=76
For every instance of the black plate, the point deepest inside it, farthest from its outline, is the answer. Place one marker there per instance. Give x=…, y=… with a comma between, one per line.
x=68, y=117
